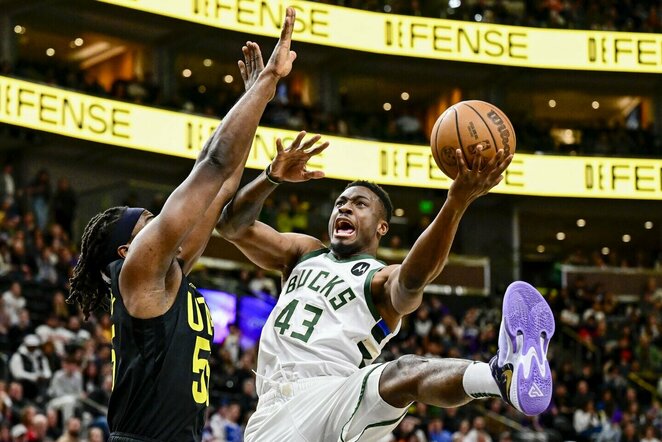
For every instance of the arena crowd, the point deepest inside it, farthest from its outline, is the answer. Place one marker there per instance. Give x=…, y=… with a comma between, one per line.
x=56, y=372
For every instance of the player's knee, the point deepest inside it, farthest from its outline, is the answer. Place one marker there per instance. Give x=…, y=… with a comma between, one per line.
x=408, y=366
x=408, y=369
x=399, y=383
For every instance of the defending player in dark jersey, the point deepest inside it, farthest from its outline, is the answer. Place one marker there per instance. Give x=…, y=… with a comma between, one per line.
x=162, y=328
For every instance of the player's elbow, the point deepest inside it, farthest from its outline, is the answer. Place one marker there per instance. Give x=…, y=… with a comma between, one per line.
x=229, y=227
x=406, y=301
x=405, y=304
x=411, y=283
x=217, y=161
x=228, y=230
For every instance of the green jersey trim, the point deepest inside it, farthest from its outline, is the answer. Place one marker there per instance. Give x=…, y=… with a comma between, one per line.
x=334, y=258
x=384, y=423
x=310, y=255
x=358, y=403
x=367, y=289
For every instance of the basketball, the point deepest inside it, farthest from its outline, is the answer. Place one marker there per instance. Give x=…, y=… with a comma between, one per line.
x=464, y=126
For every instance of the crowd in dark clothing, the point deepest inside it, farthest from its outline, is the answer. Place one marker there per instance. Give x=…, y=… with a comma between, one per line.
x=604, y=15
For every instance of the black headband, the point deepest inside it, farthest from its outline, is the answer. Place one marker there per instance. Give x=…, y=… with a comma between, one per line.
x=121, y=233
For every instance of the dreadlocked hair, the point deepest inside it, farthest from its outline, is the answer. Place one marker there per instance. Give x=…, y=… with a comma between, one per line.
x=88, y=288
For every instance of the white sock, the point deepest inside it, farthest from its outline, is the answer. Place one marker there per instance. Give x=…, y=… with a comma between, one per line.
x=478, y=382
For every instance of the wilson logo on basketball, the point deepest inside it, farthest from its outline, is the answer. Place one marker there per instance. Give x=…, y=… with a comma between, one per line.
x=501, y=127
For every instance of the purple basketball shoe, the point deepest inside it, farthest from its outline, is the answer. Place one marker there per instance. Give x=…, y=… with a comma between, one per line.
x=520, y=367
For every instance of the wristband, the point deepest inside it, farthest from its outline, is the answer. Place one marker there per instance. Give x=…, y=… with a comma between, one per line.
x=271, y=179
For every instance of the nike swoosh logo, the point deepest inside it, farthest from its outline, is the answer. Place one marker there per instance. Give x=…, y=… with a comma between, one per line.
x=508, y=374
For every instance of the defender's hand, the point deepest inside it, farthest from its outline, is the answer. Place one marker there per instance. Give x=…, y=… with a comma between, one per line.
x=479, y=180
x=290, y=164
x=280, y=62
x=252, y=65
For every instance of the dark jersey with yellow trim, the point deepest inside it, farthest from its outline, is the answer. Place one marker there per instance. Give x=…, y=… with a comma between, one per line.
x=160, y=368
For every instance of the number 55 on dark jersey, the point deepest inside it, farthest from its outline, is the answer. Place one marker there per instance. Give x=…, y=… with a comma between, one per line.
x=160, y=368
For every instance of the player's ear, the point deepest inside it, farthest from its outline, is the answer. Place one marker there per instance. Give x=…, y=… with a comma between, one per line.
x=121, y=250
x=382, y=228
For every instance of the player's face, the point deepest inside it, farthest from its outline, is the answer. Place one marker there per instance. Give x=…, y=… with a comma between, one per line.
x=357, y=222
x=144, y=219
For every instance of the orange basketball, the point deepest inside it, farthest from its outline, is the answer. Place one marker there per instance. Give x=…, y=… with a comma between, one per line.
x=464, y=126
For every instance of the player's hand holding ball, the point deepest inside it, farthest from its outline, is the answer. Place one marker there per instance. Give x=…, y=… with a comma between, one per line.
x=473, y=143
x=465, y=126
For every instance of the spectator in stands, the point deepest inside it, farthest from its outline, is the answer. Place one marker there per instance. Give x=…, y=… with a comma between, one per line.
x=77, y=333
x=23, y=263
x=650, y=435
x=27, y=415
x=409, y=429
x=64, y=205
x=53, y=332
x=54, y=430
x=5, y=259
x=39, y=193
x=29, y=367
x=422, y=322
x=477, y=432
x=587, y=421
x=462, y=431
x=72, y=433
x=40, y=428
x=610, y=432
x=60, y=307
x=95, y=434
x=13, y=302
x=103, y=330
x=5, y=345
x=5, y=402
x=248, y=399
x=66, y=388
x=231, y=344
x=630, y=433
x=224, y=424
x=8, y=186
x=648, y=356
x=19, y=433
x=262, y=283
x=409, y=127
x=45, y=267
x=16, y=400
x=436, y=431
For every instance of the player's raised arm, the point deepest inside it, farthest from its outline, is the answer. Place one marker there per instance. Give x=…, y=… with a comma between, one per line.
x=261, y=243
x=222, y=158
x=428, y=256
x=196, y=241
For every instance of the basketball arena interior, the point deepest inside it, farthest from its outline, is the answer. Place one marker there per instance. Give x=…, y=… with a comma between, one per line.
x=108, y=102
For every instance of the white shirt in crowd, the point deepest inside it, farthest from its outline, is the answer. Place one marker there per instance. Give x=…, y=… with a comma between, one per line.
x=13, y=306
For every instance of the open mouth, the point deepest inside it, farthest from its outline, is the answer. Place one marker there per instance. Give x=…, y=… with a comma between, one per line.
x=343, y=228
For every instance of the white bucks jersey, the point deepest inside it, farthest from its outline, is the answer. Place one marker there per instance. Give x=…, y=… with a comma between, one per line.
x=325, y=322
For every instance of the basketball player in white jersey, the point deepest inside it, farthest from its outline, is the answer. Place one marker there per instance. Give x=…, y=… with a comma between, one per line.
x=340, y=306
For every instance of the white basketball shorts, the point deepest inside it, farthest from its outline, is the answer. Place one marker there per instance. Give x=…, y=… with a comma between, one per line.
x=325, y=409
